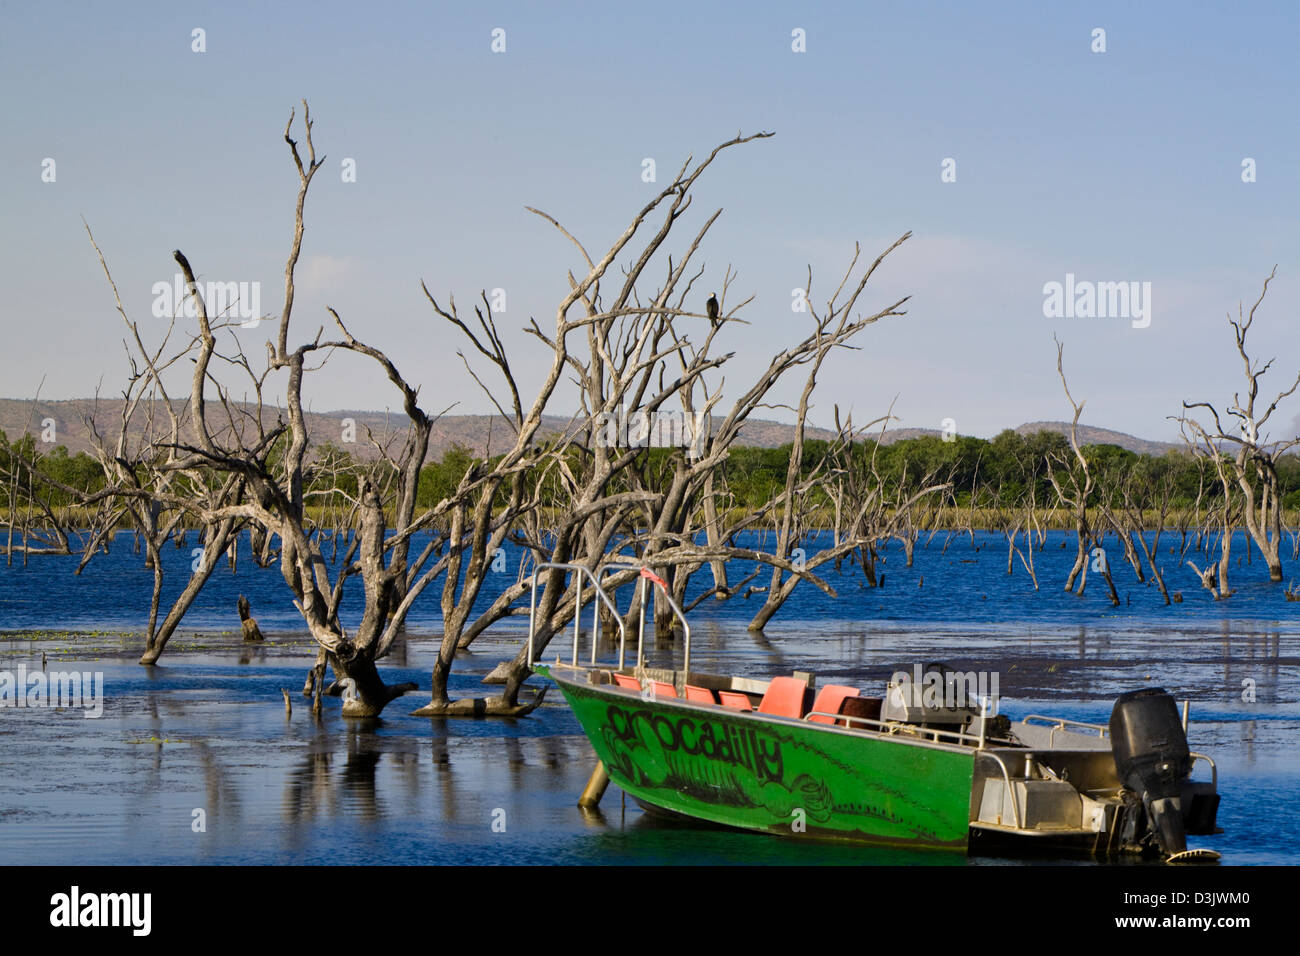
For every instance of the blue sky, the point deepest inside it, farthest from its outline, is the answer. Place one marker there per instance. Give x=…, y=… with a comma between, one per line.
x=1117, y=166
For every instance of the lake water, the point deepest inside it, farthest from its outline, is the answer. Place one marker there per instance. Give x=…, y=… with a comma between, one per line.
x=206, y=729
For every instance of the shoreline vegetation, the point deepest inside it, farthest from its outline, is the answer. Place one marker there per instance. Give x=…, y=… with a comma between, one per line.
x=992, y=480
x=954, y=520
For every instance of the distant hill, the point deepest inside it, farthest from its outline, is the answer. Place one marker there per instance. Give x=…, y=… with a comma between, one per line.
x=478, y=432
x=1089, y=435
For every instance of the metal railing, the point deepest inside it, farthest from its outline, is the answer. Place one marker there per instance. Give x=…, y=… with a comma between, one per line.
x=645, y=575
x=1063, y=724
x=1214, y=770
x=897, y=728
x=1010, y=790
x=601, y=596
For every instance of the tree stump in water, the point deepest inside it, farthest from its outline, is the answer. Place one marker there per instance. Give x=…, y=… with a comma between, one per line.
x=251, y=631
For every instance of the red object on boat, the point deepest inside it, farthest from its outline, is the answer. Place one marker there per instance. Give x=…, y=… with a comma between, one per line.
x=829, y=700
x=785, y=697
x=699, y=694
x=729, y=698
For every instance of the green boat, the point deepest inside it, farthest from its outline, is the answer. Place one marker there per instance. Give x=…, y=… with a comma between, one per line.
x=920, y=766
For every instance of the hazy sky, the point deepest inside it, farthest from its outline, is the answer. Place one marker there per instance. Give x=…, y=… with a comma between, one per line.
x=1117, y=166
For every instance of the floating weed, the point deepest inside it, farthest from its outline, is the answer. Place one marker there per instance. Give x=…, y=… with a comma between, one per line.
x=56, y=635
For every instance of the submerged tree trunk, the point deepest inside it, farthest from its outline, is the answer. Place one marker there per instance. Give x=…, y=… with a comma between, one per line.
x=216, y=542
x=1080, y=559
x=364, y=692
x=246, y=623
x=1263, y=520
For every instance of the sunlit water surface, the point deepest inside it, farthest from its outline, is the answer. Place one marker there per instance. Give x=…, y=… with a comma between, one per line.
x=206, y=729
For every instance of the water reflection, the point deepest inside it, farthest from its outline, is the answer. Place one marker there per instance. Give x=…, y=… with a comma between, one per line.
x=358, y=777
x=207, y=729
x=309, y=792
x=222, y=801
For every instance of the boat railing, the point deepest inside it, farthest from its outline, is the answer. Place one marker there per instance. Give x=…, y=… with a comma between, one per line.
x=1214, y=770
x=896, y=728
x=647, y=577
x=581, y=572
x=1006, y=780
x=1064, y=724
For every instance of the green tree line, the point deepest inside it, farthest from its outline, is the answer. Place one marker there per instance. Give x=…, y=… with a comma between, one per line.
x=984, y=472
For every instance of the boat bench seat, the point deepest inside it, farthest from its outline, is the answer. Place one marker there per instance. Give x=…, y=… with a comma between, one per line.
x=786, y=697
x=829, y=701
x=737, y=701
x=661, y=688
x=700, y=695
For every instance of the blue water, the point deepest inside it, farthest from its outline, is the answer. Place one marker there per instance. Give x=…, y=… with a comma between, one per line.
x=962, y=582
x=206, y=729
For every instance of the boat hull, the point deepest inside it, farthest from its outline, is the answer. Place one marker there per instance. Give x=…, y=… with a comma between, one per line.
x=777, y=775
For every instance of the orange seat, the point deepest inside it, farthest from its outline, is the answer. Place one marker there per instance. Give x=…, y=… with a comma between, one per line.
x=828, y=701
x=663, y=689
x=784, y=698
x=729, y=698
x=628, y=681
x=701, y=695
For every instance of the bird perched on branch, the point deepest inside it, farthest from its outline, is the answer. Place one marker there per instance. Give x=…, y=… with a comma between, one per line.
x=712, y=307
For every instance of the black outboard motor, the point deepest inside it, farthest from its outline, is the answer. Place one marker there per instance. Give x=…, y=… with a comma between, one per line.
x=1153, y=760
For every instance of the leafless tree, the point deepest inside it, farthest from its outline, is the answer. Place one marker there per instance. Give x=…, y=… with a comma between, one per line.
x=1024, y=516
x=222, y=464
x=1254, y=464
x=1075, y=486
x=1226, y=514
x=1139, y=493
x=30, y=497
x=614, y=499
x=834, y=328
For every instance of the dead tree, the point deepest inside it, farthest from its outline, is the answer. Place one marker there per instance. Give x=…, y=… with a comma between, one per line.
x=834, y=329
x=257, y=470
x=247, y=624
x=1075, y=486
x=602, y=496
x=147, y=477
x=33, y=511
x=1206, y=447
x=1028, y=505
x=32, y=497
x=1139, y=493
x=621, y=369
x=224, y=466
x=1189, y=519
x=1254, y=464
x=1135, y=491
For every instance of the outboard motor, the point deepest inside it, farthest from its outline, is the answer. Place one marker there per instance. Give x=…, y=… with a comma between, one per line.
x=1153, y=760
